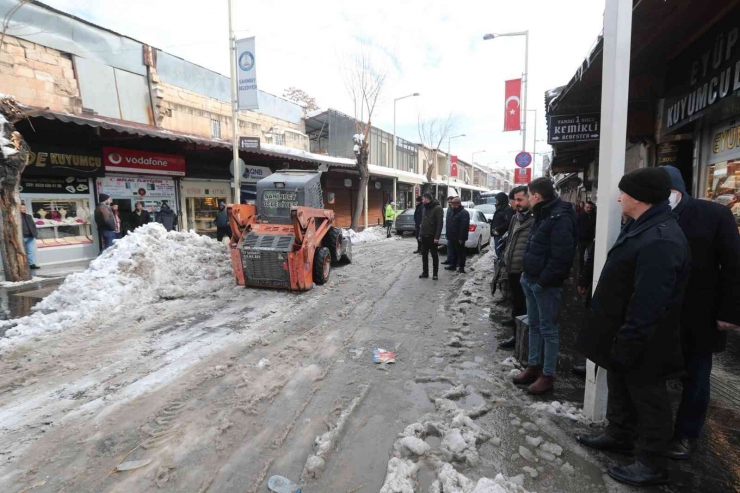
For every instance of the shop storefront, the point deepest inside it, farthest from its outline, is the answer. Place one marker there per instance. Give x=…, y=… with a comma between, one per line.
x=199, y=201
x=57, y=189
x=133, y=176
x=720, y=174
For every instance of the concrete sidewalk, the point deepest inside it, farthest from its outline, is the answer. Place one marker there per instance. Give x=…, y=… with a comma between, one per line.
x=716, y=466
x=17, y=300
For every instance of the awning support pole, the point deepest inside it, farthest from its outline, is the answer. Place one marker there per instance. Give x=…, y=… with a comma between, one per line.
x=612, y=148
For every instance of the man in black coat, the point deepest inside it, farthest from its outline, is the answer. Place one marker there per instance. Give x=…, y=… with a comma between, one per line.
x=548, y=258
x=458, y=228
x=710, y=308
x=105, y=220
x=430, y=230
x=586, y=220
x=140, y=216
x=501, y=219
x=29, y=236
x=417, y=223
x=633, y=330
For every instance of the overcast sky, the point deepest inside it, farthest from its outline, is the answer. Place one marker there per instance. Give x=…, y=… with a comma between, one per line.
x=432, y=47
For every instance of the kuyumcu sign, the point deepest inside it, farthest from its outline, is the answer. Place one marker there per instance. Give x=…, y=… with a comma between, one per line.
x=704, y=74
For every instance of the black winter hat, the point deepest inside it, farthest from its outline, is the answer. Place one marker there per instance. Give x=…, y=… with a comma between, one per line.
x=103, y=197
x=650, y=185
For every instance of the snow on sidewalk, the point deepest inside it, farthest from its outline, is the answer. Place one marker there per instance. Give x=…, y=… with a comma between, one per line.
x=144, y=267
x=369, y=235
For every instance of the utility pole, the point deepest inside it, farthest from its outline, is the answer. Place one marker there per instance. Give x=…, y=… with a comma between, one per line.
x=234, y=111
x=612, y=148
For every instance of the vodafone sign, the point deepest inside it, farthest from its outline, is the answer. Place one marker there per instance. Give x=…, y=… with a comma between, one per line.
x=150, y=163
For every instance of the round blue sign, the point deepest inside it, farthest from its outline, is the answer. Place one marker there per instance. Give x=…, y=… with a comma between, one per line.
x=523, y=159
x=246, y=61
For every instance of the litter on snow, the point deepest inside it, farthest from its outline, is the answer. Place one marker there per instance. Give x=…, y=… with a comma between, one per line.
x=383, y=356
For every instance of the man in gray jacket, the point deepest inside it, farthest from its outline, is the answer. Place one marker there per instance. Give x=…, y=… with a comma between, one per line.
x=519, y=228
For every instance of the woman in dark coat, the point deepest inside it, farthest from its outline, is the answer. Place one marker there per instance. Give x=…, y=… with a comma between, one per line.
x=711, y=305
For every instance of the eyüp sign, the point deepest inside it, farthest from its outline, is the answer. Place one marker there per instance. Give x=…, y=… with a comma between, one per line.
x=150, y=163
x=704, y=75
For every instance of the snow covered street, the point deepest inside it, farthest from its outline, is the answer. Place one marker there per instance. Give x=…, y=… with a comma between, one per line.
x=155, y=355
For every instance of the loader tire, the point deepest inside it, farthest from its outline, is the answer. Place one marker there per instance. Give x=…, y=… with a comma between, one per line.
x=321, y=266
x=333, y=241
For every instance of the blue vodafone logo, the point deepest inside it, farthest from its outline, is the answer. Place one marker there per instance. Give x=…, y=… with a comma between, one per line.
x=246, y=61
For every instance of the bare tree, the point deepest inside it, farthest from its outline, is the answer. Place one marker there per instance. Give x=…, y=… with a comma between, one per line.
x=14, y=153
x=301, y=96
x=432, y=133
x=364, y=82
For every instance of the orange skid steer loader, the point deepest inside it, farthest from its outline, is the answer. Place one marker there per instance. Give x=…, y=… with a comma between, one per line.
x=287, y=240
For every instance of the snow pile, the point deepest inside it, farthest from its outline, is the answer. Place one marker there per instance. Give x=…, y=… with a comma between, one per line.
x=368, y=235
x=146, y=266
x=561, y=409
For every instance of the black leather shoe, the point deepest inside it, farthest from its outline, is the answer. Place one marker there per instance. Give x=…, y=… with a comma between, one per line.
x=509, y=323
x=681, y=448
x=417, y=251
x=460, y=271
x=607, y=443
x=450, y=267
x=435, y=277
x=579, y=370
x=424, y=276
x=508, y=343
x=639, y=474
x=446, y=262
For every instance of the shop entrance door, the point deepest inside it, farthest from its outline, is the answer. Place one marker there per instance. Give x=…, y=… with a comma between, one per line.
x=202, y=214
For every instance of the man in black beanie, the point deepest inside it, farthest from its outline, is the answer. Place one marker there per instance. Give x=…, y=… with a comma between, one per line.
x=633, y=326
x=710, y=307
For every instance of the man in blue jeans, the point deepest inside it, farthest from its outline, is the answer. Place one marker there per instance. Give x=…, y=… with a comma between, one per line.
x=548, y=258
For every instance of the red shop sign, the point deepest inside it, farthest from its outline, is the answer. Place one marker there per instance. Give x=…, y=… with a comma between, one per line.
x=151, y=163
x=522, y=176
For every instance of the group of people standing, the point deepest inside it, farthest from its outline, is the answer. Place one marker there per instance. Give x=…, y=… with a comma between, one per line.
x=108, y=219
x=429, y=219
x=664, y=301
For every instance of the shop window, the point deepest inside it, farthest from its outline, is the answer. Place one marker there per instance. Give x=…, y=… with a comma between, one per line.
x=62, y=221
x=723, y=186
x=202, y=214
x=216, y=129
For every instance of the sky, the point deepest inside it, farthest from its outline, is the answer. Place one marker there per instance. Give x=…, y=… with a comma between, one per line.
x=432, y=47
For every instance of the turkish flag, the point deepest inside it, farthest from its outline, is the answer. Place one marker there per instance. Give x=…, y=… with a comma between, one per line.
x=512, y=120
x=453, y=167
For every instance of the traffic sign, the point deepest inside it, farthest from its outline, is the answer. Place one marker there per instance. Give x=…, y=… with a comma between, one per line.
x=522, y=176
x=523, y=159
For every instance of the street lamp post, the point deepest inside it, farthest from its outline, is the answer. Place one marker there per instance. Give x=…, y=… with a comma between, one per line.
x=393, y=159
x=472, y=161
x=534, y=146
x=449, y=159
x=525, y=76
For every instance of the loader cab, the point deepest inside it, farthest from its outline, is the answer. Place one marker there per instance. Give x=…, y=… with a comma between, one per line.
x=277, y=193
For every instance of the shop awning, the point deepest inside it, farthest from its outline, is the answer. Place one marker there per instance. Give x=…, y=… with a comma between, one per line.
x=402, y=176
x=565, y=179
x=142, y=130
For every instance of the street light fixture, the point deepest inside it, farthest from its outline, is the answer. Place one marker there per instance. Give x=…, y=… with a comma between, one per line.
x=393, y=159
x=525, y=76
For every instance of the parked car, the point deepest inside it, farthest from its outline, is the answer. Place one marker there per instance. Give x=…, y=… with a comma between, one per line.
x=480, y=231
x=405, y=222
x=488, y=210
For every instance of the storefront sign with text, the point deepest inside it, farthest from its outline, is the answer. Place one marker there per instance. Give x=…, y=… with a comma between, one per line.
x=573, y=128
x=144, y=162
x=59, y=161
x=54, y=185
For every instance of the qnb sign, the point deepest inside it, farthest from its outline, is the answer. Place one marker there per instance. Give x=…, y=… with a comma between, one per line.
x=142, y=162
x=708, y=73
